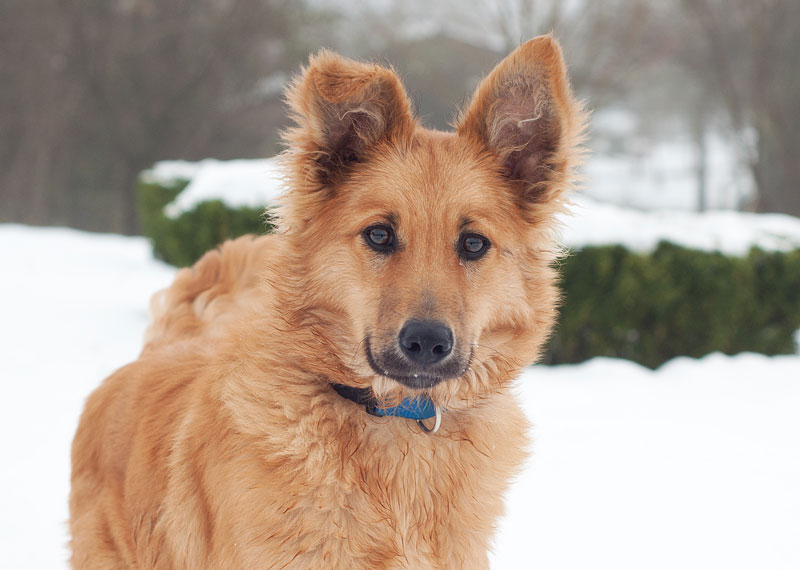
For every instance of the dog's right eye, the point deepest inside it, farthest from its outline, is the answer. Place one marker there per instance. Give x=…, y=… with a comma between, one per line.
x=380, y=238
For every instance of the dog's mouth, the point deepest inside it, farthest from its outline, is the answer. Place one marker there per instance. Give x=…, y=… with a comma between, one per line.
x=391, y=364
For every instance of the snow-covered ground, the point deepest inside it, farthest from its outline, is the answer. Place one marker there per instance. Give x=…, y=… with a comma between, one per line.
x=694, y=466
x=259, y=182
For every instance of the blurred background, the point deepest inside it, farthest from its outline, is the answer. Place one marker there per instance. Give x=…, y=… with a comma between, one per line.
x=137, y=134
x=696, y=98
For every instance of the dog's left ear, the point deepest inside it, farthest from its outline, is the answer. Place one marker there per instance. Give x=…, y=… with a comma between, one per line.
x=524, y=112
x=343, y=108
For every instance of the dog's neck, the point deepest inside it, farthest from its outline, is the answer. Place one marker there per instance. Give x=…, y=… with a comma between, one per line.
x=419, y=408
x=413, y=408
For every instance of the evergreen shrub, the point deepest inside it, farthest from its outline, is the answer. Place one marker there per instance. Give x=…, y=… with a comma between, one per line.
x=182, y=240
x=675, y=302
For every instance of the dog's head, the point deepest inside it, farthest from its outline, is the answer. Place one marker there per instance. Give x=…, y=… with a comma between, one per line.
x=423, y=257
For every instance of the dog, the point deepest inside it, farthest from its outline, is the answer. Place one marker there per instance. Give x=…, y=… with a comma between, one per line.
x=338, y=394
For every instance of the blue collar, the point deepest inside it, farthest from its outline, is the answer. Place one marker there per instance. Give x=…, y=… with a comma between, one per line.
x=418, y=408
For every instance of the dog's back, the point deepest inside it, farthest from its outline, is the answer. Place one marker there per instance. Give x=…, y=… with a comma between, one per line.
x=123, y=440
x=205, y=297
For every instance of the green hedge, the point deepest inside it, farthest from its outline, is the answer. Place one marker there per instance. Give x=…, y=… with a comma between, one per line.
x=675, y=301
x=182, y=240
x=643, y=307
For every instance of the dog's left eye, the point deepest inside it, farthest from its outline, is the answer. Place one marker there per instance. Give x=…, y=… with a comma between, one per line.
x=472, y=246
x=380, y=238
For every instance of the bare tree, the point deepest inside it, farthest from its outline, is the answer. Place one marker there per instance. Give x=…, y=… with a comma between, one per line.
x=97, y=90
x=36, y=105
x=749, y=59
x=699, y=57
x=608, y=44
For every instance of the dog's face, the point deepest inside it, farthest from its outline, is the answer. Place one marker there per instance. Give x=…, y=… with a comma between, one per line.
x=428, y=253
x=425, y=255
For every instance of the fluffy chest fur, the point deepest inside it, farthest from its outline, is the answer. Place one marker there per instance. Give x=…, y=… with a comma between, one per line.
x=321, y=485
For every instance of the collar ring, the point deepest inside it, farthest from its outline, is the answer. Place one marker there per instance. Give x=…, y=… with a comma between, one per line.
x=436, y=424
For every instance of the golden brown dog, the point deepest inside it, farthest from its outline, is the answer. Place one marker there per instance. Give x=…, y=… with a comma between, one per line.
x=410, y=266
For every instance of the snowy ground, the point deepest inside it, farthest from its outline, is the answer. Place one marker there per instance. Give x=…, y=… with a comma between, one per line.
x=694, y=466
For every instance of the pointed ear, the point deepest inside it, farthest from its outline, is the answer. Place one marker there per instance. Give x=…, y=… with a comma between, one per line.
x=342, y=109
x=525, y=114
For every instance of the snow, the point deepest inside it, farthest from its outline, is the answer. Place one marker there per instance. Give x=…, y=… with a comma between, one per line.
x=692, y=466
x=635, y=170
x=74, y=308
x=254, y=183
x=733, y=233
x=257, y=183
x=168, y=172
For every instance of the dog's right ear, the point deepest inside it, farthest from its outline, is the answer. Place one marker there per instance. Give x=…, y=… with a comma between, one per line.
x=342, y=109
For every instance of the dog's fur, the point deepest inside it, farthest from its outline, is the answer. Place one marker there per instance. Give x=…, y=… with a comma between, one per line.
x=224, y=446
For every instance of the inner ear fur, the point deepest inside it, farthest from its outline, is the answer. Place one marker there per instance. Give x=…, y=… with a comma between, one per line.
x=524, y=112
x=342, y=108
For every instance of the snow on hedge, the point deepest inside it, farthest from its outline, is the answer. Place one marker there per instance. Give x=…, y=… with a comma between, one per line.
x=692, y=466
x=237, y=183
x=727, y=231
x=259, y=182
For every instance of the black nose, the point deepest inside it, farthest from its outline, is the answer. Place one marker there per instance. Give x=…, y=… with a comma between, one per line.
x=425, y=342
